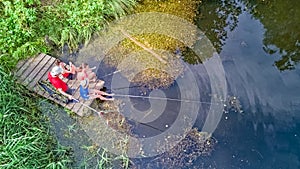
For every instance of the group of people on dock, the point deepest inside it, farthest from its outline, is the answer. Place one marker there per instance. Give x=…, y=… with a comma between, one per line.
x=83, y=73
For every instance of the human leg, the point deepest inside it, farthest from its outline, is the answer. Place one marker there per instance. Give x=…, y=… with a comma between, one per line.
x=99, y=92
x=70, y=91
x=95, y=95
x=92, y=76
x=99, y=85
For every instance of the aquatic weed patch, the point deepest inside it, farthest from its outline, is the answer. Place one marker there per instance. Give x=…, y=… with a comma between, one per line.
x=160, y=71
x=152, y=73
x=183, y=155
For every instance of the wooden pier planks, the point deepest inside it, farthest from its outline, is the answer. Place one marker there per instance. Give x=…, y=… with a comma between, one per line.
x=30, y=71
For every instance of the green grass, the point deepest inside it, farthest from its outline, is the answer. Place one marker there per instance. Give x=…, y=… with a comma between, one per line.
x=25, y=139
x=25, y=24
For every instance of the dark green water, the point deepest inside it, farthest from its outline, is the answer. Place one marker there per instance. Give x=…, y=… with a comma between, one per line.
x=259, y=44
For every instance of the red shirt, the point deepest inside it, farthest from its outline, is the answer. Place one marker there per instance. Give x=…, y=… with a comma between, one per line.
x=63, y=66
x=57, y=82
x=65, y=75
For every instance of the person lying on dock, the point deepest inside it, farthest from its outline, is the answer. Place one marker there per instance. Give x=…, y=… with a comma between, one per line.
x=86, y=72
x=58, y=83
x=69, y=71
x=87, y=93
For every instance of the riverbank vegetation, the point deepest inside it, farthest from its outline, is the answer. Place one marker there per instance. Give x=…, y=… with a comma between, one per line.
x=29, y=27
x=25, y=138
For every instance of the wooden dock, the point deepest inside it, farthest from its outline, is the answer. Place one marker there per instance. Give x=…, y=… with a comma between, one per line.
x=30, y=71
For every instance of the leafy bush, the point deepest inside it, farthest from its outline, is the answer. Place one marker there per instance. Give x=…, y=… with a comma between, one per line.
x=18, y=39
x=25, y=23
x=78, y=20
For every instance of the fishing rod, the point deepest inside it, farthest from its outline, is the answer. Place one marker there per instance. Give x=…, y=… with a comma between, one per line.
x=126, y=87
x=161, y=98
x=108, y=111
x=89, y=107
x=111, y=73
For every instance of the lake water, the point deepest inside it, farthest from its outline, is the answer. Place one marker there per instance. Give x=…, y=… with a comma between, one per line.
x=259, y=46
x=266, y=134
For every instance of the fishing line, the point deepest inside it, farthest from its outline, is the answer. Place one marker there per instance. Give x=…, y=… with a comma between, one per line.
x=111, y=73
x=161, y=98
x=108, y=111
x=89, y=107
x=126, y=87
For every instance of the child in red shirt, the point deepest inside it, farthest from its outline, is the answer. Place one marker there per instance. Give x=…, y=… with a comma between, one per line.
x=60, y=85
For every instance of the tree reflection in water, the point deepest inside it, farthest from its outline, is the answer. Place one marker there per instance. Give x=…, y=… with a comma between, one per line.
x=282, y=24
x=280, y=20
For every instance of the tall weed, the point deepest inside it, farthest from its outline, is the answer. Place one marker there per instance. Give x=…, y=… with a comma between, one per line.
x=18, y=39
x=25, y=140
x=74, y=22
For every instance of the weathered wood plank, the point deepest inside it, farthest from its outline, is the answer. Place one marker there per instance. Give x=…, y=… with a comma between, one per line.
x=37, y=70
x=30, y=71
x=44, y=76
x=77, y=106
x=43, y=72
x=21, y=63
x=40, y=91
x=74, y=85
x=31, y=67
x=24, y=67
x=80, y=108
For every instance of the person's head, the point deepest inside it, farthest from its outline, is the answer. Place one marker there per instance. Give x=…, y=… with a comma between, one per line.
x=85, y=65
x=79, y=69
x=84, y=83
x=57, y=62
x=56, y=70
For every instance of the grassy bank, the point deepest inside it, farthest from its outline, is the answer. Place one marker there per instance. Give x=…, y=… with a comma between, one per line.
x=29, y=27
x=25, y=140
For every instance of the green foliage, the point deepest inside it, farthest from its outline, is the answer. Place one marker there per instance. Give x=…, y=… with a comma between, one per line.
x=78, y=20
x=17, y=37
x=25, y=23
x=25, y=141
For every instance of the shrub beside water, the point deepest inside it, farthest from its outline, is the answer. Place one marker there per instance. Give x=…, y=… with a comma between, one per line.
x=24, y=24
x=73, y=22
